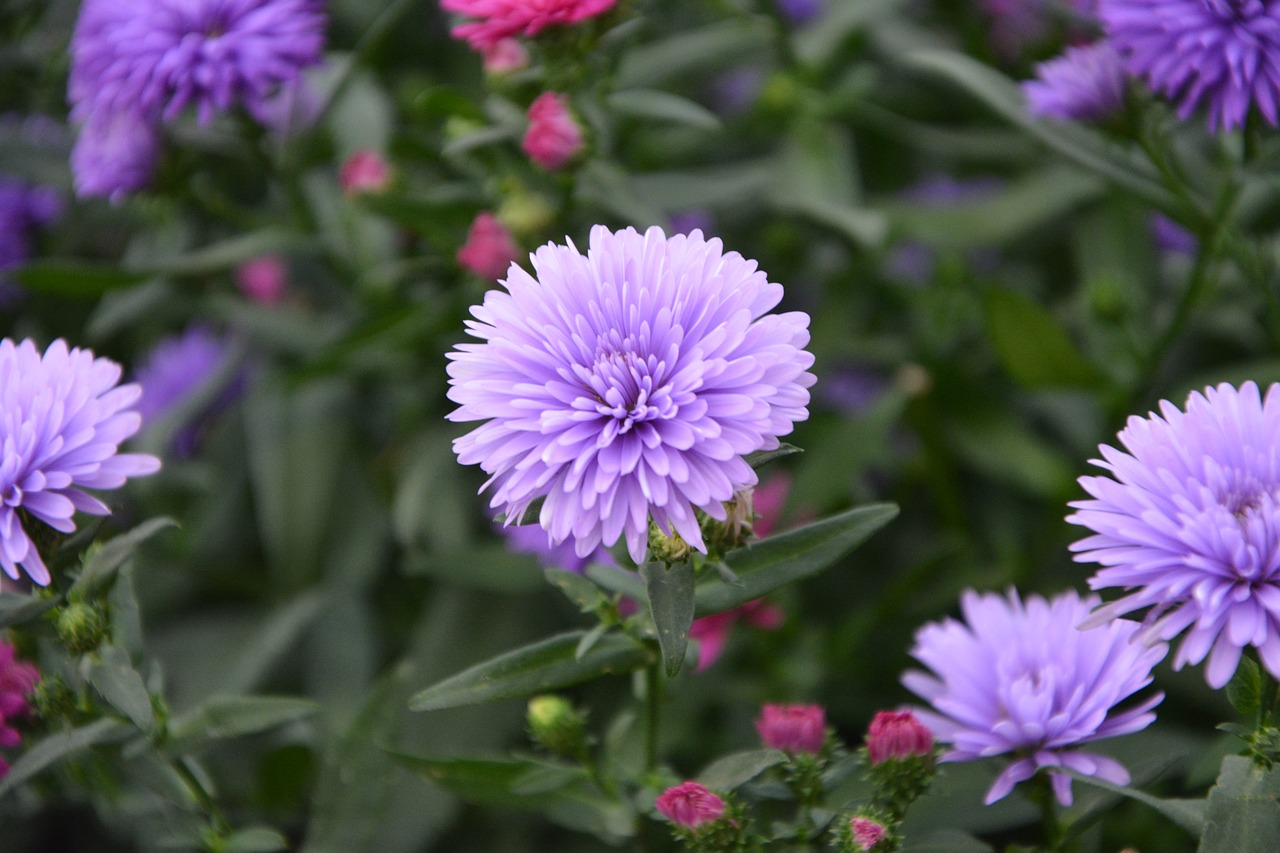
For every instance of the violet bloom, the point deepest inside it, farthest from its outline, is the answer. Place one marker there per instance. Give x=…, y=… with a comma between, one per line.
x=177, y=369
x=23, y=210
x=801, y=12
x=628, y=384
x=115, y=155
x=1085, y=83
x=793, y=728
x=690, y=805
x=1170, y=237
x=1188, y=524
x=1022, y=679
x=531, y=539
x=62, y=418
x=1220, y=54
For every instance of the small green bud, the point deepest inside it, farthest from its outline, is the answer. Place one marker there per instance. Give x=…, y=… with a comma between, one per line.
x=668, y=549
x=525, y=213
x=80, y=626
x=556, y=725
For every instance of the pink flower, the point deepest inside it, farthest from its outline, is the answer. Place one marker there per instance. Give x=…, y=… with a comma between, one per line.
x=504, y=56
x=895, y=735
x=365, y=171
x=866, y=833
x=17, y=680
x=712, y=632
x=495, y=20
x=793, y=728
x=489, y=250
x=690, y=805
x=553, y=137
x=264, y=279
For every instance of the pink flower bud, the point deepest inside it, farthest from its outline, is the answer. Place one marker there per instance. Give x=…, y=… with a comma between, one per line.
x=793, y=728
x=866, y=833
x=553, y=137
x=505, y=56
x=897, y=735
x=364, y=172
x=690, y=805
x=264, y=279
x=489, y=250
x=17, y=680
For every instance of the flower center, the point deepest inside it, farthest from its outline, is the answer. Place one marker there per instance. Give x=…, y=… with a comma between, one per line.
x=629, y=388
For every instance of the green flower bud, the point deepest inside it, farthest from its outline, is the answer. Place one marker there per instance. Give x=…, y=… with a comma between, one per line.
x=81, y=627
x=556, y=725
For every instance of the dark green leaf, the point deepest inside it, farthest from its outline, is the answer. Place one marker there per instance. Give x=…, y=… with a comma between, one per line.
x=791, y=556
x=255, y=839
x=582, y=592
x=727, y=773
x=493, y=567
x=1244, y=809
x=1244, y=691
x=617, y=580
x=233, y=716
x=944, y=841
x=55, y=747
x=662, y=106
x=101, y=567
x=16, y=609
x=74, y=278
x=670, y=593
x=1188, y=814
x=114, y=677
x=692, y=50
x=589, y=640
x=545, y=665
x=763, y=457
x=228, y=253
x=1035, y=348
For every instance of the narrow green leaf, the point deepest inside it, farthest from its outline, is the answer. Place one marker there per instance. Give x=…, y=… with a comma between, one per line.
x=74, y=278
x=1244, y=691
x=1033, y=345
x=670, y=593
x=545, y=665
x=730, y=771
x=791, y=556
x=234, y=716
x=1244, y=809
x=60, y=745
x=255, y=839
x=224, y=255
x=114, y=677
x=617, y=580
x=582, y=592
x=657, y=105
x=692, y=50
x=1188, y=814
x=16, y=609
x=763, y=457
x=589, y=640
x=100, y=569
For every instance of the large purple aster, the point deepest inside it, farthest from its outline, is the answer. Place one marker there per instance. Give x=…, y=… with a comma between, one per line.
x=628, y=383
x=1085, y=83
x=62, y=418
x=1222, y=54
x=1020, y=679
x=1189, y=524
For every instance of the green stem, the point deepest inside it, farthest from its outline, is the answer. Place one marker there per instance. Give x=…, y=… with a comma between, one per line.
x=377, y=31
x=653, y=704
x=1042, y=794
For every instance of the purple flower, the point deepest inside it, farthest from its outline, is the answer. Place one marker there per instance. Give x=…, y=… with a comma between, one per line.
x=1189, y=524
x=23, y=209
x=699, y=219
x=1021, y=679
x=531, y=539
x=177, y=369
x=115, y=155
x=1084, y=83
x=1171, y=237
x=801, y=12
x=1223, y=54
x=627, y=384
x=62, y=418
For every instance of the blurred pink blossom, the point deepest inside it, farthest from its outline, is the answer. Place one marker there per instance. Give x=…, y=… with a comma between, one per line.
x=17, y=680
x=690, y=805
x=504, y=57
x=894, y=735
x=554, y=137
x=265, y=280
x=793, y=728
x=365, y=171
x=495, y=20
x=489, y=250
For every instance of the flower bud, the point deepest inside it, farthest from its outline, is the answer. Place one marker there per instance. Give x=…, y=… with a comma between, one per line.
x=555, y=725
x=895, y=735
x=793, y=728
x=669, y=548
x=554, y=137
x=365, y=171
x=264, y=279
x=505, y=56
x=690, y=805
x=80, y=627
x=489, y=250
x=866, y=833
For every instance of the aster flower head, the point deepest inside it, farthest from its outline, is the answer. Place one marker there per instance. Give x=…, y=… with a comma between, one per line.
x=793, y=728
x=1085, y=83
x=897, y=735
x=627, y=384
x=23, y=209
x=553, y=138
x=115, y=155
x=1220, y=54
x=711, y=633
x=531, y=539
x=866, y=833
x=690, y=805
x=1021, y=678
x=495, y=20
x=489, y=249
x=1188, y=524
x=62, y=418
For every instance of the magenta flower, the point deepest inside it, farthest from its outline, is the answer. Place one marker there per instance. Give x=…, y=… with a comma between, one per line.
x=690, y=805
x=1220, y=54
x=265, y=280
x=489, y=250
x=17, y=680
x=553, y=138
x=895, y=735
x=1084, y=83
x=866, y=832
x=1188, y=524
x=793, y=728
x=628, y=384
x=1022, y=680
x=365, y=171
x=62, y=418
x=495, y=20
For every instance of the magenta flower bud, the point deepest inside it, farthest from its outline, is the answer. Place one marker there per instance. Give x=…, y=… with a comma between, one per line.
x=264, y=279
x=505, y=56
x=554, y=137
x=17, y=680
x=489, y=250
x=866, y=833
x=365, y=171
x=690, y=805
x=491, y=21
x=895, y=735
x=793, y=728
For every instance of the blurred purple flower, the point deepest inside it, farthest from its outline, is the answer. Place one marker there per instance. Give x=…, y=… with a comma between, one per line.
x=114, y=155
x=801, y=12
x=627, y=384
x=853, y=389
x=62, y=418
x=1022, y=679
x=1188, y=524
x=23, y=210
x=734, y=92
x=688, y=221
x=1221, y=54
x=175, y=370
x=532, y=539
x=1171, y=237
x=1085, y=83
x=915, y=261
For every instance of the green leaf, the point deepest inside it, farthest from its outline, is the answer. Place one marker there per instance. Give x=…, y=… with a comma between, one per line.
x=226, y=254
x=234, y=716
x=545, y=665
x=114, y=677
x=1244, y=809
x=944, y=841
x=582, y=592
x=669, y=590
x=694, y=50
x=1034, y=347
x=791, y=556
x=1244, y=691
x=75, y=278
x=1188, y=814
x=731, y=771
x=101, y=567
x=60, y=745
x=617, y=580
x=255, y=839
x=761, y=458
x=663, y=106
x=16, y=609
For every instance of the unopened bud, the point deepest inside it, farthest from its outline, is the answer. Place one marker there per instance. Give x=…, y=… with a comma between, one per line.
x=80, y=627
x=895, y=735
x=556, y=725
x=690, y=805
x=793, y=728
x=669, y=548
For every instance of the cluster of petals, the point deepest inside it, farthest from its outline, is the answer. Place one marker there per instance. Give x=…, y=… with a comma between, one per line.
x=489, y=248
x=495, y=20
x=553, y=137
x=866, y=833
x=690, y=805
x=62, y=419
x=1188, y=524
x=1220, y=54
x=628, y=384
x=1022, y=679
x=17, y=680
x=793, y=728
x=1086, y=83
x=897, y=735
